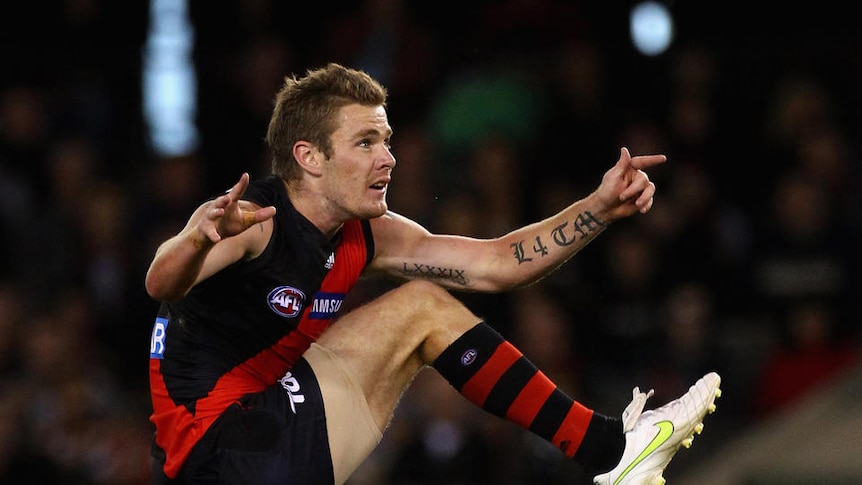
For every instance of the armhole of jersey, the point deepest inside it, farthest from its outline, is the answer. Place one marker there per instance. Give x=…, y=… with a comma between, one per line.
x=254, y=193
x=369, y=241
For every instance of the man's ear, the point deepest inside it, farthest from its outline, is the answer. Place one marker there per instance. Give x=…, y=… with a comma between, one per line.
x=308, y=156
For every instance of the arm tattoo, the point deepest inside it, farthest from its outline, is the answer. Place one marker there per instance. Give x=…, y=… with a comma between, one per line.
x=434, y=273
x=583, y=227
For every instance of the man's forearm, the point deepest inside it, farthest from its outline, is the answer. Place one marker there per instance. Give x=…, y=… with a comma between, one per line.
x=540, y=248
x=176, y=266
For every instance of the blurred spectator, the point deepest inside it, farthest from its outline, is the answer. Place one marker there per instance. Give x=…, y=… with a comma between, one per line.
x=74, y=406
x=415, y=190
x=68, y=169
x=689, y=329
x=808, y=356
x=495, y=172
x=800, y=245
x=624, y=317
x=395, y=42
x=451, y=446
x=579, y=114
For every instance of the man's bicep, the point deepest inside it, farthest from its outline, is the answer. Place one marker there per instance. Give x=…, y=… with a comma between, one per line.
x=445, y=260
x=396, y=239
x=407, y=251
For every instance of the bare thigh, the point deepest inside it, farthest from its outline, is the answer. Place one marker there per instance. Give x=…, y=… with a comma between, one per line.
x=385, y=342
x=352, y=434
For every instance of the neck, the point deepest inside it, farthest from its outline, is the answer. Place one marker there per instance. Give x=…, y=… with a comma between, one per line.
x=313, y=207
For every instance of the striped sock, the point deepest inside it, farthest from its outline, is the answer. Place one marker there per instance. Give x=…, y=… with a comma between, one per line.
x=493, y=374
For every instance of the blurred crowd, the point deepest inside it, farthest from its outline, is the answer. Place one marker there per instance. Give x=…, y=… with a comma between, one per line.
x=503, y=112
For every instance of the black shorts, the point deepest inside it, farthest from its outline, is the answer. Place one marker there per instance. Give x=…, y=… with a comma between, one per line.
x=277, y=436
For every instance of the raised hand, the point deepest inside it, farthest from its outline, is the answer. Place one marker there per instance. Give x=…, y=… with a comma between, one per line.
x=625, y=188
x=227, y=215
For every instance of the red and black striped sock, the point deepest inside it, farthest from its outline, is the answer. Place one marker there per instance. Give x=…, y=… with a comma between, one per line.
x=493, y=374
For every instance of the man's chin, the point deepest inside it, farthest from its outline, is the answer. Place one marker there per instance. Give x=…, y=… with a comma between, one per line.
x=375, y=212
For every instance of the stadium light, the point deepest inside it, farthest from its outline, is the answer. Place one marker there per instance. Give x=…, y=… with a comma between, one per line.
x=169, y=80
x=651, y=27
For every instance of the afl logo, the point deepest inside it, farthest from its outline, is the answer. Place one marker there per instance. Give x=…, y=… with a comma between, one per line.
x=469, y=357
x=286, y=301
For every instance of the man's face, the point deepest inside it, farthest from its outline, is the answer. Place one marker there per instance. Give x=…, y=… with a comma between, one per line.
x=356, y=176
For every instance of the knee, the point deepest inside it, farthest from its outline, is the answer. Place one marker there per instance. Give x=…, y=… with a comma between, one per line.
x=421, y=291
x=434, y=314
x=427, y=298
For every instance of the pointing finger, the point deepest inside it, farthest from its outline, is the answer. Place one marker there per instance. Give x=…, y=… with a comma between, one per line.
x=646, y=161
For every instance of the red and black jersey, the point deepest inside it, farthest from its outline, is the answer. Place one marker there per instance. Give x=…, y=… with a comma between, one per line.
x=242, y=329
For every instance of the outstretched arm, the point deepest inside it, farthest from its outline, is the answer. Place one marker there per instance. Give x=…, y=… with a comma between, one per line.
x=523, y=256
x=215, y=236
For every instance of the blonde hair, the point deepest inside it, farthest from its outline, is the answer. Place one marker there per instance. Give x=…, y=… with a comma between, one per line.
x=305, y=109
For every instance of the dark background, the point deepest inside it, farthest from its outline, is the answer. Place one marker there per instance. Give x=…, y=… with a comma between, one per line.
x=747, y=265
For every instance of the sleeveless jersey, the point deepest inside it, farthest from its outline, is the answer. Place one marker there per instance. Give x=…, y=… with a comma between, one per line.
x=242, y=329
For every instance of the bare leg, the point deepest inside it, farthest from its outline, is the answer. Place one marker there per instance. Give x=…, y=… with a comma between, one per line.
x=387, y=341
x=379, y=348
x=367, y=359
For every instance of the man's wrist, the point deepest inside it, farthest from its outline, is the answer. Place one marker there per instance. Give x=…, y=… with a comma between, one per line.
x=199, y=241
x=599, y=210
